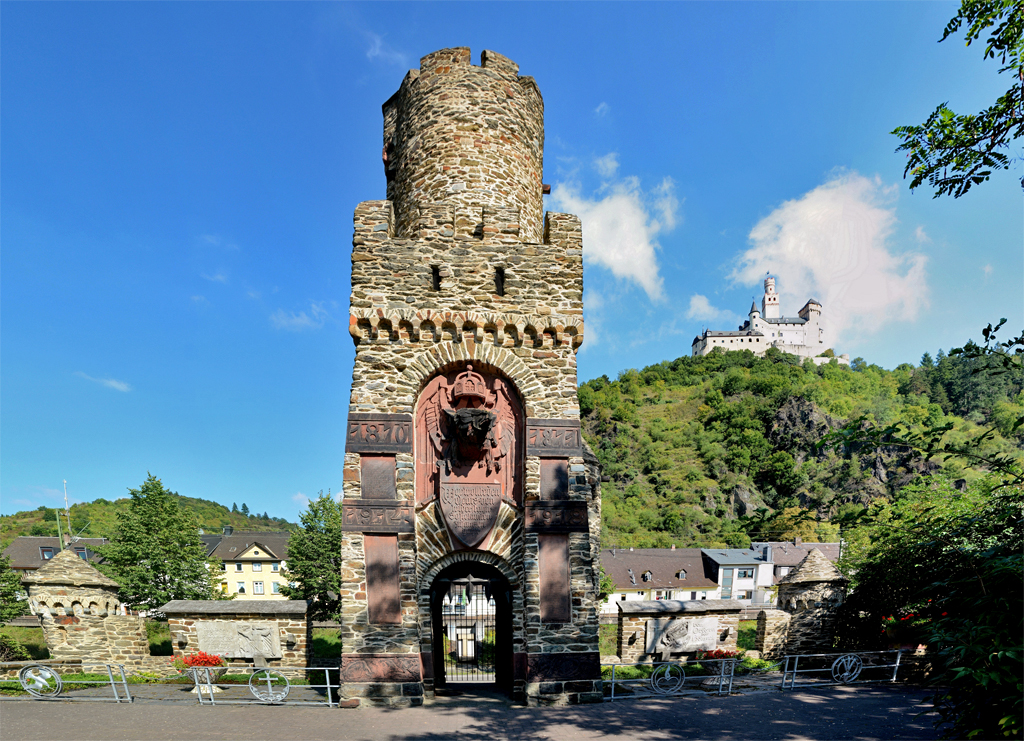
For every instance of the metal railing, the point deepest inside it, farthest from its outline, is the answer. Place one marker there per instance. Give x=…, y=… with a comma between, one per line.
x=846, y=668
x=43, y=682
x=267, y=687
x=668, y=679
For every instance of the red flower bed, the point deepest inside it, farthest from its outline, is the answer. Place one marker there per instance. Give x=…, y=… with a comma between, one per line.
x=718, y=653
x=200, y=658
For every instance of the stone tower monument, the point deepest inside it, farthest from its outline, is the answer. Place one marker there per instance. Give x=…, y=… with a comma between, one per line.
x=472, y=507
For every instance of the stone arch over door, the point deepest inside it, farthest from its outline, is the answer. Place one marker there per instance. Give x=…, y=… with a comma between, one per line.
x=427, y=610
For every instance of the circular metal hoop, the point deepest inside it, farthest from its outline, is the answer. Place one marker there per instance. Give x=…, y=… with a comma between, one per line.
x=40, y=681
x=668, y=678
x=847, y=668
x=268, y=685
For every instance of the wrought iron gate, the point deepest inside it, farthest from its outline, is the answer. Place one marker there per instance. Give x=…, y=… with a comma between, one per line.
x=470, y=635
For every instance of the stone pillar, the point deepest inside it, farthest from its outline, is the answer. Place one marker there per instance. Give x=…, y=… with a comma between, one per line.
x=812, y=594
x=772, y=632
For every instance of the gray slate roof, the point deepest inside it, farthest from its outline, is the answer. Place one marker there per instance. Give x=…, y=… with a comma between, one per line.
x=676, y=607
x=664, y=565
x=230, y=547
x=24, y=550
x=68, y=569
x=786, y=320
x=734, y=556
x=236, y=607
x=786, y=553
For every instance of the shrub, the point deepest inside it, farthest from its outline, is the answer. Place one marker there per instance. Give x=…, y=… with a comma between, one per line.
x=11, y=650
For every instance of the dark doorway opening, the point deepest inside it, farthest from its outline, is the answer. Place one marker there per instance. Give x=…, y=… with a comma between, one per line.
x=471, y=610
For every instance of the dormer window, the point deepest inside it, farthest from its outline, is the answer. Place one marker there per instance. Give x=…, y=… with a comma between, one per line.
x=681, y=575
x=46, y=553
x=648, y=576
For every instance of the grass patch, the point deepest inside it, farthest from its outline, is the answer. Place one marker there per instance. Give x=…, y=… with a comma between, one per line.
x=609, y=635
x=30, y=638
x=326, y=643
x=746, y=637
x=159, y=634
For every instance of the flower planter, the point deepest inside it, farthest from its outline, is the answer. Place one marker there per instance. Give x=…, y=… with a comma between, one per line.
x=198, y=673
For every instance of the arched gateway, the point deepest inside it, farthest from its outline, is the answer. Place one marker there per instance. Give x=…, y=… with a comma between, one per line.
x=472, y=509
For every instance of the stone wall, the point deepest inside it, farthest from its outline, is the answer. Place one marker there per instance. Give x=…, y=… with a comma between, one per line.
x=187, y=619
x=814, y=612
x=772, y=632
x=636, y=619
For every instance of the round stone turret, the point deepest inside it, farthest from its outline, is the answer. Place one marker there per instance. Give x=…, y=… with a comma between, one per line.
x=464, y=148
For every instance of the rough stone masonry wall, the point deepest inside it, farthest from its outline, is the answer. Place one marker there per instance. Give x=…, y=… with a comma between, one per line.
x=632, y=633
x=294, y=630
x=772, y=632
x=405, y=332
x=813, y=622
x=468, y=137
x=118, y=639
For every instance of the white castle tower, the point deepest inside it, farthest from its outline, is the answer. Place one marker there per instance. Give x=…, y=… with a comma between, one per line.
x=770, y=302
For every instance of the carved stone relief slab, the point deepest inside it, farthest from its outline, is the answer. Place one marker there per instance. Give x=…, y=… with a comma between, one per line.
x=380, y=668
x=238, y=639
x=376, y=516
x=553, y=438
x=556, y=517
x=469, y=509
x=378, y=433
x=681, y=635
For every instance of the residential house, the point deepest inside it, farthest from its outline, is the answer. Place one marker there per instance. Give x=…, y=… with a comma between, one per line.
x=251, y=562
x=741, y=574
x=656, y=573
x=786, y=555
x=29, y=552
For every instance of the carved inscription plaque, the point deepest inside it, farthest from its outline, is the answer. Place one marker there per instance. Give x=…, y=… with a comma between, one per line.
x=377, y=477
x=556, y=517
x=239, y=640
x=376, y=516
x=379, y=433
x=681, y=635
x=469, y=509
x=553, y=438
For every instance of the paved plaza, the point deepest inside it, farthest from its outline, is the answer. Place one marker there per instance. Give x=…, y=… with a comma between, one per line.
x=865, y=712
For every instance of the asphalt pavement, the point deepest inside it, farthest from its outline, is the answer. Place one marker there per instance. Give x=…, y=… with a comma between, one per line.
x=864, y=712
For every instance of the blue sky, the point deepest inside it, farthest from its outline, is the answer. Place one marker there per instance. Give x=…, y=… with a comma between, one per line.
x=178, y=182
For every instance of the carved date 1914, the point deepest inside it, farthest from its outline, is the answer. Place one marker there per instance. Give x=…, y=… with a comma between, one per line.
x=553, y=438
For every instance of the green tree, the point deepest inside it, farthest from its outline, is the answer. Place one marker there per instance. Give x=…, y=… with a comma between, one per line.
x=234, y=506
x=314, y=559
x=10, y=589
x=954, y=152
x=156, y=554
x=245, y=509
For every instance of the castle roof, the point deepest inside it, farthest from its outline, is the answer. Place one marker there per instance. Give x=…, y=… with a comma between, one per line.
x=67, y=568
x=787, y=320
x=814, y=567
x=753, y=308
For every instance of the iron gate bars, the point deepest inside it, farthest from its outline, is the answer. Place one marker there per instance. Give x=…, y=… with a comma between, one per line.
x=840, y=668
x=469, y=631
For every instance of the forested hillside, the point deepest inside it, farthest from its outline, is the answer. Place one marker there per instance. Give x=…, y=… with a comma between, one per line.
x=98, y=519
x=710, y=451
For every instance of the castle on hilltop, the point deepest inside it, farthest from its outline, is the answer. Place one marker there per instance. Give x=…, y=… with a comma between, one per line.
x=800, y=335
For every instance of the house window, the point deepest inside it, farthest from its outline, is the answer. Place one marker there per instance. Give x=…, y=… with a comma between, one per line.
x=223, y=566
x=622, y=598
x=275, y=588
x=80, y=552
x=255, y=553
x=257, y=566
x=783, y=570
x=238, y=566
x=257, y=587
x=241, y=587
x=745, y=594
x=744, y=573
x=46, y=553
x=681, y=575
x=640, y=594
x=659, y=595
x=693, y=595
x=275, y=567
x=727, y=583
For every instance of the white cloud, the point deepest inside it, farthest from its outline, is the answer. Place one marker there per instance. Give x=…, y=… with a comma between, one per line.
x=701, y=309
x=620, y=228
x=300, y=499
x=833, y=243
x=607, y=166
x=110, y=383
x=921, y=236
x=602, y=109
x=380, y=50
x=302, y=321
x=218, y=278
x=987, y=270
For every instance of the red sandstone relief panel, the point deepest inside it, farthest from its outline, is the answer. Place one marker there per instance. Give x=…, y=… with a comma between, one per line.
x=378, y=477
x=382, y=592
x=380, y=668
x=553, y=557
x=554, y=478
x=469, y=450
